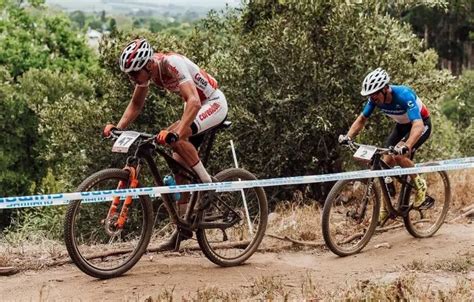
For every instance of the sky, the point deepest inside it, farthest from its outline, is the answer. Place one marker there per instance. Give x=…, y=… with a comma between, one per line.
x=102, y=4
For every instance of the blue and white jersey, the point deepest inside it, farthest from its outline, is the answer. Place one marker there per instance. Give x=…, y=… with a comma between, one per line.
x=405, y=107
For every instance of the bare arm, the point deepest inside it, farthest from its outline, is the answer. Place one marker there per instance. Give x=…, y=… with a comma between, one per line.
x=193, y=104
x=134, y=107
x=357, y=126
x=415, y=133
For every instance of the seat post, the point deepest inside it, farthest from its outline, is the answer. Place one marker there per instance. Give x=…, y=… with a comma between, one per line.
x=209, y=138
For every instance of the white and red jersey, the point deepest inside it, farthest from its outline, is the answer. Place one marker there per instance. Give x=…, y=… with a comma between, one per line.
x=175, y=69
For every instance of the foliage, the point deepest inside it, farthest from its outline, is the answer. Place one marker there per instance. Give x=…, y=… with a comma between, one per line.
x=39, y=41
x=458, y=106
x=20, y=143
x=31, y=39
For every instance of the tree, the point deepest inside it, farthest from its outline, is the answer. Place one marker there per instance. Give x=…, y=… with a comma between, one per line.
x=79, y=18
x=31, y=41
x=113, y=25
x=458, y=106
x=445, y=28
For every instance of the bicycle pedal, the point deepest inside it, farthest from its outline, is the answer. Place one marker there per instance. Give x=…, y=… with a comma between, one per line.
x=428, y=203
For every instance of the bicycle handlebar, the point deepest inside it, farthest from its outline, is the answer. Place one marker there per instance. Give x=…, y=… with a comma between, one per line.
x=145, y=137
x=391, y=150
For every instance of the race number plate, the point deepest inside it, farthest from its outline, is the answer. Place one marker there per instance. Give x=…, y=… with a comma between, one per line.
x=125, y=140
x=365, y=152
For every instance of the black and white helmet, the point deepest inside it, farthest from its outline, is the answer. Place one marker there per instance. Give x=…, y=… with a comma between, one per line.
x=374, y=81
x=135, y=55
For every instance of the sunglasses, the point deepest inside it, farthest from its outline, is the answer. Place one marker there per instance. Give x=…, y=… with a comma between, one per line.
x=375, y=94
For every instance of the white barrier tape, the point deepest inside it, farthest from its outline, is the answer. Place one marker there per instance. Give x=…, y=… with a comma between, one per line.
x=100, y=196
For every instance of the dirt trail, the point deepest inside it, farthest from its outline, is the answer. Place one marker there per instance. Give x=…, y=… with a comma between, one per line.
x=188, y=273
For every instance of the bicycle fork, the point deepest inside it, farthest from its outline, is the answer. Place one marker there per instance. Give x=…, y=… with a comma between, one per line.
x=113, y=228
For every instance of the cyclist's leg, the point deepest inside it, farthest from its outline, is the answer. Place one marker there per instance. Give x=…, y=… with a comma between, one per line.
x=397, y=134
x=425, y=135
x=173, y=242
x=212, y=113
x=417, y=181
x=188, y=155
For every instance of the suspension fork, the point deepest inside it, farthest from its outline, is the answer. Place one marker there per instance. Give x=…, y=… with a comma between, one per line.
x=360, y=214
x=379, y=164
x=133, y=181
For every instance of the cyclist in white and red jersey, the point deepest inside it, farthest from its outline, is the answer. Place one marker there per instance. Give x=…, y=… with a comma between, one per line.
x=412, y=129
x=205, y=106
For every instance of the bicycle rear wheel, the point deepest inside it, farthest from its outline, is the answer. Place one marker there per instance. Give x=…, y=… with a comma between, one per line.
x=243, y=218
x=350, y=216
x=428, y=218
x=93, y=243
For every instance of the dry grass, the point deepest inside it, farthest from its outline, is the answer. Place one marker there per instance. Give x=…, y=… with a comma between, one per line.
x=405, y=288
x=269, y=288
x=296, y=220
x=409, y=287
x=31, y=255
x=462, y=264
x=5, y=259
x=461, y=188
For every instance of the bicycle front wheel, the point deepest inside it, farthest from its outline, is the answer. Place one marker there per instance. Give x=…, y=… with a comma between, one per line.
x=240, y=219
x=350, y=216
x=94, y=242
x=428, y=218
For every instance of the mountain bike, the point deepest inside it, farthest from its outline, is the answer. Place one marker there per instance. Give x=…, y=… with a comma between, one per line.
x=106, y=239
x=351, y=211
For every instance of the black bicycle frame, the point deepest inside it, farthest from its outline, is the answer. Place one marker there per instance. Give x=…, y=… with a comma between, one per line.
x=404, y=198
x=146, y=152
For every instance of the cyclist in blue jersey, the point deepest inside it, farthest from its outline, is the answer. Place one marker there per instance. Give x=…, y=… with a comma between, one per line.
x=412, y=129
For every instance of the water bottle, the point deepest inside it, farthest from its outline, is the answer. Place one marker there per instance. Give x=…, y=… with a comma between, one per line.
x=168, y=180
x=390, y=186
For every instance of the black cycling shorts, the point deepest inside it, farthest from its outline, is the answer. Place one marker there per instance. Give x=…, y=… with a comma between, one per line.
x=401, y=132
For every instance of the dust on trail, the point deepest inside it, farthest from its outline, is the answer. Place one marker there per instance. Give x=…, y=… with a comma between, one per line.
x=185, y=274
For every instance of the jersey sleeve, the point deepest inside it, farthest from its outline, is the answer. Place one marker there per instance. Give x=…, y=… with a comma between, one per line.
x=412, y=108
x=368, y=109
x=177, y=68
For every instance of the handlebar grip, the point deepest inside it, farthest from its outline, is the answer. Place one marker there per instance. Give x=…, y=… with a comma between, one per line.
x=171, y=137
x=402, y=151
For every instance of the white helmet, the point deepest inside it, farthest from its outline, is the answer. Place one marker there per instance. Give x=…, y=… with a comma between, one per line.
x=135, y=55
x=374, y=81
